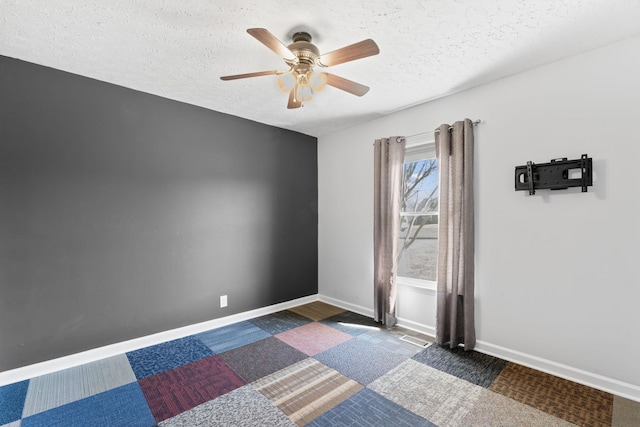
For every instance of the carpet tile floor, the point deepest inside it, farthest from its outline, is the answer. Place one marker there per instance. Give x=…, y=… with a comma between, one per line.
x=313, y=338
x=306, y=389
x=62, y=387
x=557, y=396
x=232, y=336
x=477, y=368
x=315, y=365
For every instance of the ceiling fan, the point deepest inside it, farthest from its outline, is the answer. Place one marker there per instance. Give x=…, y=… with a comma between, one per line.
x=301, y=56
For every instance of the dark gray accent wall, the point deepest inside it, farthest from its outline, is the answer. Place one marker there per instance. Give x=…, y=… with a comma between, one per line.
x=124, y=214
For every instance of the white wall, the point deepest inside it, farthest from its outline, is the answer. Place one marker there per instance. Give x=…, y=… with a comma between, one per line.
x=556, y=278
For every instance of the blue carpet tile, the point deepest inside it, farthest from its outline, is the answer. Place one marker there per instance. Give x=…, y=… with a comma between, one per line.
x=477, y=368
x=367, y=408
x=122, y=406
x=354, y=359
x=159, y=358
x=232, y=336
x=255, y=373
x=12, y=398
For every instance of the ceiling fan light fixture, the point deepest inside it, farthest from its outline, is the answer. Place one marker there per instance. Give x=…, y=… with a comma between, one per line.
x=304, y=92
x=317, y=81
x=286, y=81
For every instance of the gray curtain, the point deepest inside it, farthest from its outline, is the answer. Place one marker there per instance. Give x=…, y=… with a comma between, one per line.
x=388, y=165
x=455, y=306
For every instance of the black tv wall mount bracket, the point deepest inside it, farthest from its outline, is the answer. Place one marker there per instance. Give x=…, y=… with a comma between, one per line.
x=559, y=174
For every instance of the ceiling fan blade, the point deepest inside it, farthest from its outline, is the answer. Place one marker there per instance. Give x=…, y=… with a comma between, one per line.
x=265, y=37
x=346, y=85
x=256, y=74
x=293, y=102
x=349, y=53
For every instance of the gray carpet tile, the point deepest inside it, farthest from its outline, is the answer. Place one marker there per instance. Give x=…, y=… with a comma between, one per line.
x=367, y=408
x=477, y=368
x=13, y=424
x=243, y=407
x=261, y=358
x=280, y=322
x=625, y=412
x=69, y=385
x=441, y=398
x=354, y=358
x=493, y=409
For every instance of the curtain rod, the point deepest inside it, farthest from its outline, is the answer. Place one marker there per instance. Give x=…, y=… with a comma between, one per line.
x=431, y=132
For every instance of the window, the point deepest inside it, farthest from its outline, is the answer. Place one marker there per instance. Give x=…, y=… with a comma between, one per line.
x=418, y=246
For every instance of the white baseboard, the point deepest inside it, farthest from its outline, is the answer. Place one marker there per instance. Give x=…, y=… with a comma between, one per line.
x=619, y=388
x=347, y=306
x=600, y=382
x=610, y=385
x=49, y=366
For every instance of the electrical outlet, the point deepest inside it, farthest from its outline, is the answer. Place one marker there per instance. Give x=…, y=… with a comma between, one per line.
x=223, y=300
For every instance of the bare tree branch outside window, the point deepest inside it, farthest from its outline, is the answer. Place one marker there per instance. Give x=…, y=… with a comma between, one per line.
x=419, y=205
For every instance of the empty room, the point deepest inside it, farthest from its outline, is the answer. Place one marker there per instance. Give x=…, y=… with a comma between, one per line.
x=220, y=213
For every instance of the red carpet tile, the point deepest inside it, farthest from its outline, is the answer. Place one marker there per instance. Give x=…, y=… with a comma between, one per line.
x=313, y=338
x=172, y=392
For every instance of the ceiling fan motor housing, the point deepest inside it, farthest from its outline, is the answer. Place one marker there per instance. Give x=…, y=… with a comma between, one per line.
x=306, y=52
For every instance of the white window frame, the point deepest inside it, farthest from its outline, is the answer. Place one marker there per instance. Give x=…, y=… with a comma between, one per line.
x=418, y=149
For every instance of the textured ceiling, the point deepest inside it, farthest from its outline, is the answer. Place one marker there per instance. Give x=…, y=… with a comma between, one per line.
x=428, y=48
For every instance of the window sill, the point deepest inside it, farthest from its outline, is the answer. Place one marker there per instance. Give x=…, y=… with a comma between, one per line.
x=419, y=285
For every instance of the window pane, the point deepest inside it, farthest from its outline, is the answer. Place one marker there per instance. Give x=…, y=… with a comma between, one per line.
x=420, y=186
x=418, y=247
